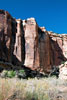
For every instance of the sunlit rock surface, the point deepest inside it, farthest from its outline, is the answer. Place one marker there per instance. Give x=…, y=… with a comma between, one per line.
x=23, y=42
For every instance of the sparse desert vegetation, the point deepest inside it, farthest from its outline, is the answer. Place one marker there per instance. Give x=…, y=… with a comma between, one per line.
x=33, y=89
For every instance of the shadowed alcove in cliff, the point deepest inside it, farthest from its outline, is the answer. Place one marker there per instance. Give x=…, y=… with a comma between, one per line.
x=50, y=51
x=15, y=44
x=3, y=48
x=5, y=36
x=57, y=56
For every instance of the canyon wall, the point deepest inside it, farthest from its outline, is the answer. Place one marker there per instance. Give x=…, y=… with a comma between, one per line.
x=5, y=36
x=23, y=42
x=58, y=48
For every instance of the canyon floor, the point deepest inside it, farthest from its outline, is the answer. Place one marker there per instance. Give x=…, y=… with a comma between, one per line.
x=33, y=89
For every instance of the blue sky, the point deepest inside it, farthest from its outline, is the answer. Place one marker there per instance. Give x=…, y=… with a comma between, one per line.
x=49, y=13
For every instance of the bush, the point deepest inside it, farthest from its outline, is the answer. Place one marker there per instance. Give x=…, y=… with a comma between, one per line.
x=11, y=74
x=21, y=74
x=4, y=74
x=22, y=71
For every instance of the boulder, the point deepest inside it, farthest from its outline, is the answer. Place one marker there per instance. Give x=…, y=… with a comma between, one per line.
x=63, y=71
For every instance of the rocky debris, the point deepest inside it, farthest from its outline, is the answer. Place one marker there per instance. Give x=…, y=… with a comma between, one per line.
x=63, y=71
x=24, y=43
x=8, y=66
x=54, y=72
x=5, y=65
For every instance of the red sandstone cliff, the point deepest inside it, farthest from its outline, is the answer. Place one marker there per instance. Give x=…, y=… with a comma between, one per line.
x=23, y=42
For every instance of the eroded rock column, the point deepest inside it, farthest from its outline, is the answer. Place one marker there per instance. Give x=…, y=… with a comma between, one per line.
x=18, y=42
x=31, y=44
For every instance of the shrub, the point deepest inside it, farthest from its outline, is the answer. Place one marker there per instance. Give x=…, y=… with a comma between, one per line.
x=21, y=74
x=21, y=71
x=4, y=73
x=32, y=89
x=11, y=74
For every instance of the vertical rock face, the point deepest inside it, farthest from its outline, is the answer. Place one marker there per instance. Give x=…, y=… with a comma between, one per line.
x=58, y=48
x=31, y=43
x=18, y=42
x=5, y=36
x=44, y=50
x=22, y=42
x=37, y=46
x=65, y=45
x=11, y=39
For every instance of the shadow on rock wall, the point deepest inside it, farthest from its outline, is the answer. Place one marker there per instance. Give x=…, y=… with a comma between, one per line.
x=57, y=56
